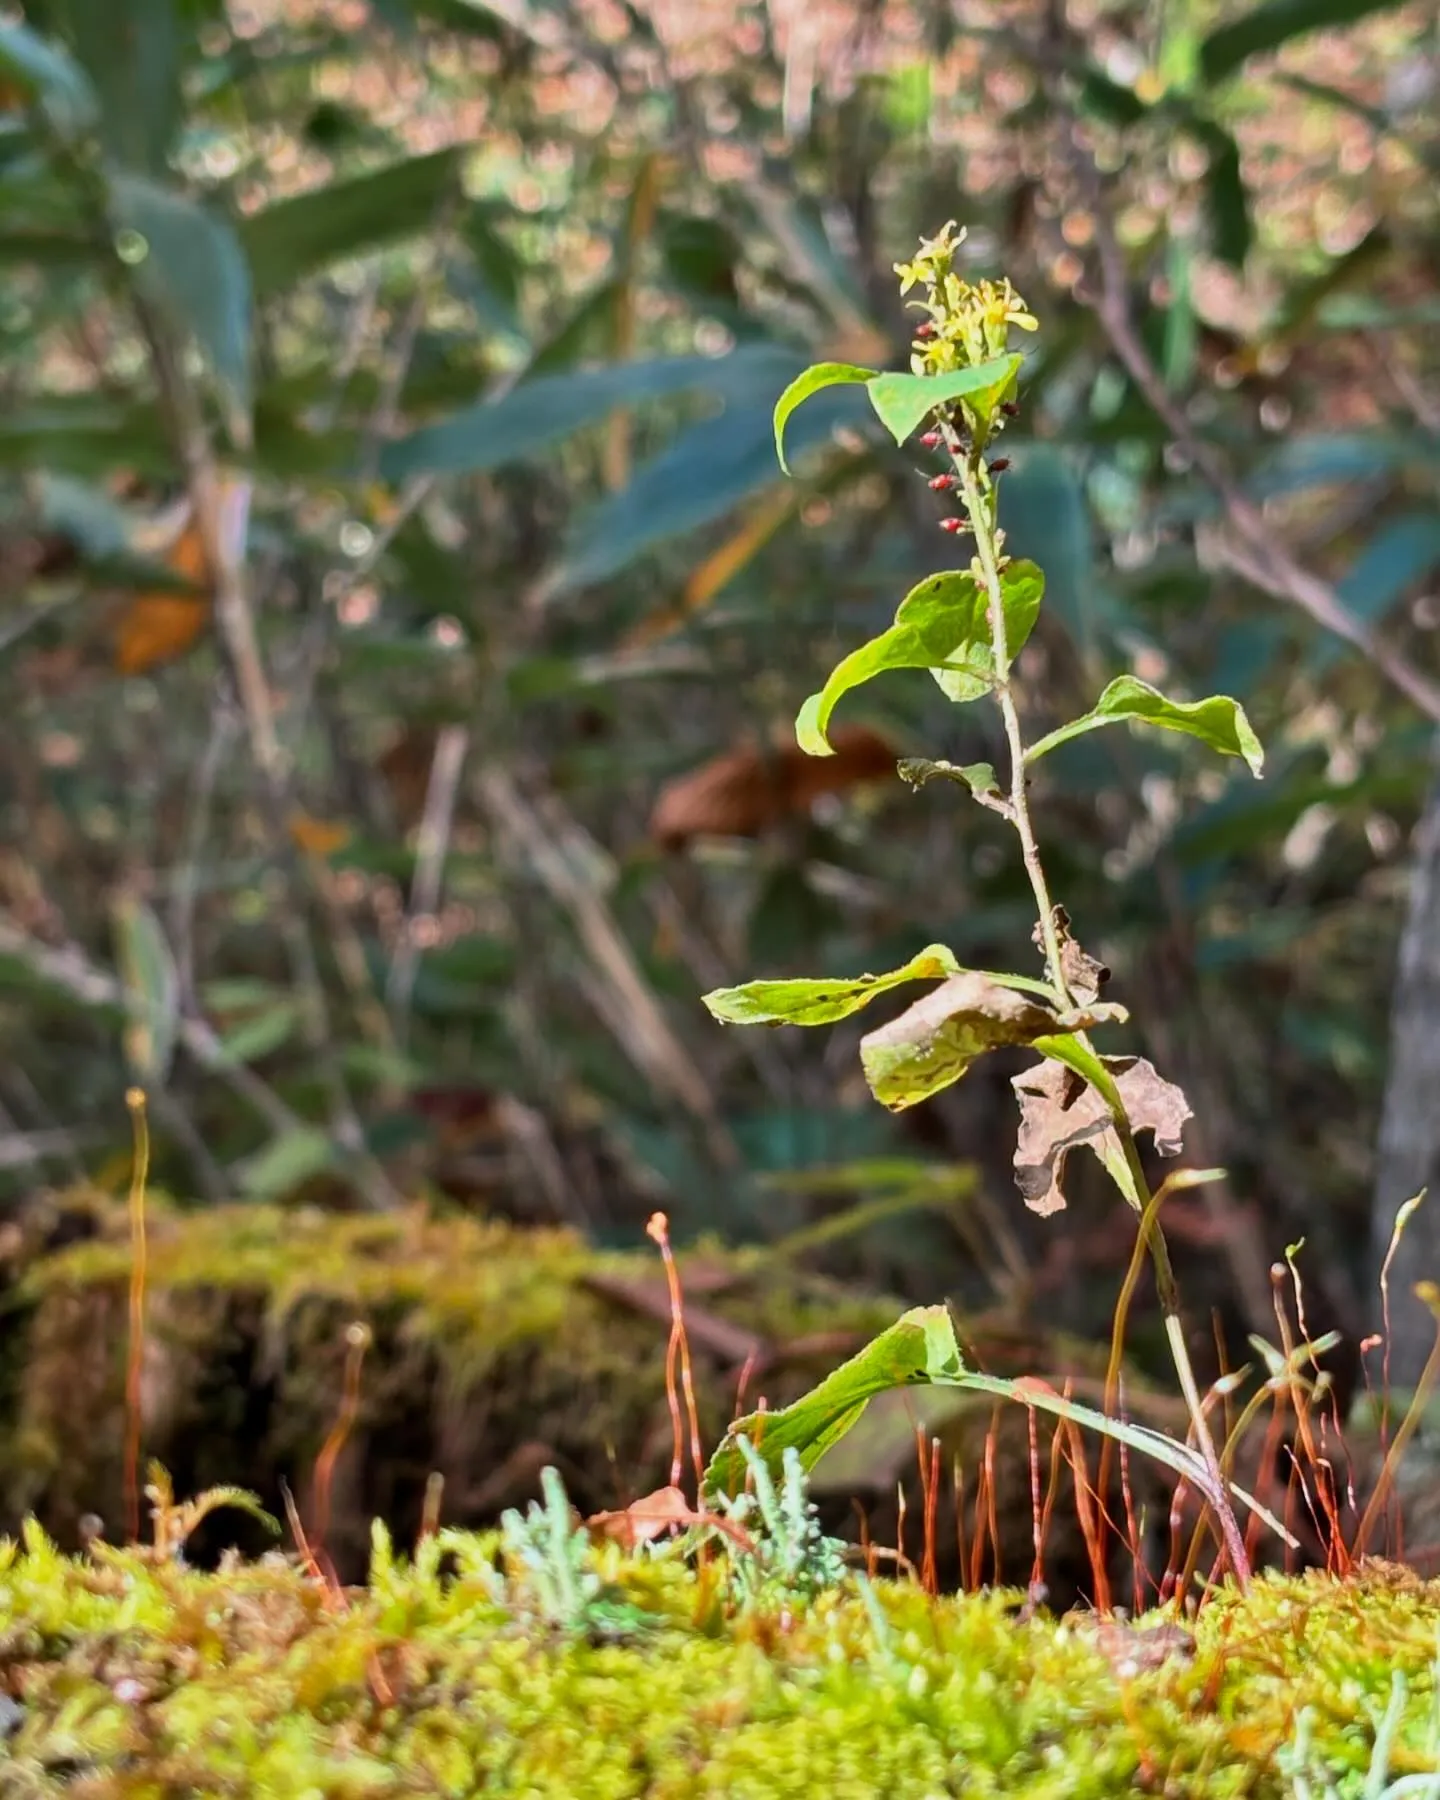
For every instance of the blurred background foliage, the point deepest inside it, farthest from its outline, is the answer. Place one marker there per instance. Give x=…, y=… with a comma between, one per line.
x=402, y=616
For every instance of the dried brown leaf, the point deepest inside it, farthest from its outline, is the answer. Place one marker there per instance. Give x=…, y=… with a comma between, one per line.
x=751, y=789
x=1059, y=1111
x=1084, y=974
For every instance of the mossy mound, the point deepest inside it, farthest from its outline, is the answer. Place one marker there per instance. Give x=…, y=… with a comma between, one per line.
x=495, y=1349
x=126, y=1676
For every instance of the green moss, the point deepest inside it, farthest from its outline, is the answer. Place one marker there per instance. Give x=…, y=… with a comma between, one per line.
x=135, y=1679
x=495, y=1348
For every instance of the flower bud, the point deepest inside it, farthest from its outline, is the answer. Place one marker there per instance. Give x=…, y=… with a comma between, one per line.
x=954, y=525
x=941, y=483
x=1000, y=465
x=1010, y=409
x=930, y=441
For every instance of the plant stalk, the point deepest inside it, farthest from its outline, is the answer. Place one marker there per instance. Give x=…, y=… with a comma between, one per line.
x=978, y=489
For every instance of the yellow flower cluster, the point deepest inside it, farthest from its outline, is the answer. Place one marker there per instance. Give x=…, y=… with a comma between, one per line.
x=968, y=323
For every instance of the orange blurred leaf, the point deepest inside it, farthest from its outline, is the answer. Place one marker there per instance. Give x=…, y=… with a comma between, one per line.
x=157, y=628
x=318, y=837
x=749, y=790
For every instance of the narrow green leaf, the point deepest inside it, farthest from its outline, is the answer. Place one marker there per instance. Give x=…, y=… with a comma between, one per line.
x=262, y=1034
x=193, y=267
x=920, y=1349
x=821, y=1002
x=902, y=402
x=286, y=1162
x=816, y=377
x=942, y=625
x=152, y=991
x=1275, y=22
x=51, y=77
x=295, y=237
x=547, y=408
x=131, y=50
x=1219, y=721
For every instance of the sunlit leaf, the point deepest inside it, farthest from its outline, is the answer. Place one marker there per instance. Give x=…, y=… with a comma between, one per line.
x=933, y=1043
x=921, y=1350
x=903, y=402
x=821, y=1002
x=814, y=379
x=1219, y=721
x=942, y=624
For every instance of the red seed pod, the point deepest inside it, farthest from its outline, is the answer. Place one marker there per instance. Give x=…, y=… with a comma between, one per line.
x=930, y=441
x=1000, y=465
x=942, y=483
x=926, y=329
x=954, y=525
x=1010, y=409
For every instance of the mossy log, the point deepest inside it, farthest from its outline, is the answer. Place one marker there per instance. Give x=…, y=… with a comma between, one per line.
x=495, y=1349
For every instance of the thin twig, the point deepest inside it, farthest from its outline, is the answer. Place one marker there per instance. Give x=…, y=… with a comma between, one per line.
x=223, y=726
x=433, y=842
x=236, y=621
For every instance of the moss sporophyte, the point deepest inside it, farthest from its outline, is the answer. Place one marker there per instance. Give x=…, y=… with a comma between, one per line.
x=967, y=626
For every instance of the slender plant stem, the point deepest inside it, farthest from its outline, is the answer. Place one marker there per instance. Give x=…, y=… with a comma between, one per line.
x=977, y=487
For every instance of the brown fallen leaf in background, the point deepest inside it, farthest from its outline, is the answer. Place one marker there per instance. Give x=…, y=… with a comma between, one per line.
x=749, y=790
x=1059, y=1110
x=158, y=627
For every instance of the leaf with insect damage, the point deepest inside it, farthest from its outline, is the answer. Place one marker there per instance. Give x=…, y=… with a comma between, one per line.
x=823, y=1002
x=1060, y=1110
x=934, y=1042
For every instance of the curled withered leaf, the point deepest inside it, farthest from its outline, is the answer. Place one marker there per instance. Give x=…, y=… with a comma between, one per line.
x=1084, y=974
x=1059, y=1110
x=934, y=1042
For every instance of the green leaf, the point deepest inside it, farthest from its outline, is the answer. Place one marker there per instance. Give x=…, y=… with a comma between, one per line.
x=1227, y=201
x=131, y=50
x=821, y=1002
x=1219, y=721
x=920, y=1349
x=547, y=408
x=1273, y=23
x=295, y=237
x=195, y=269
x=903, y=402
x=818, y=376
x=152, y=990
x=263, y=1034
x=942, y=625
x=51, y=77
x=978, y=777
x=933, y=1043
x=287, y=1162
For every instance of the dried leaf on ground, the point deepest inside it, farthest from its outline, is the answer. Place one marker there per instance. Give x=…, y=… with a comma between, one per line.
x=749, y=790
